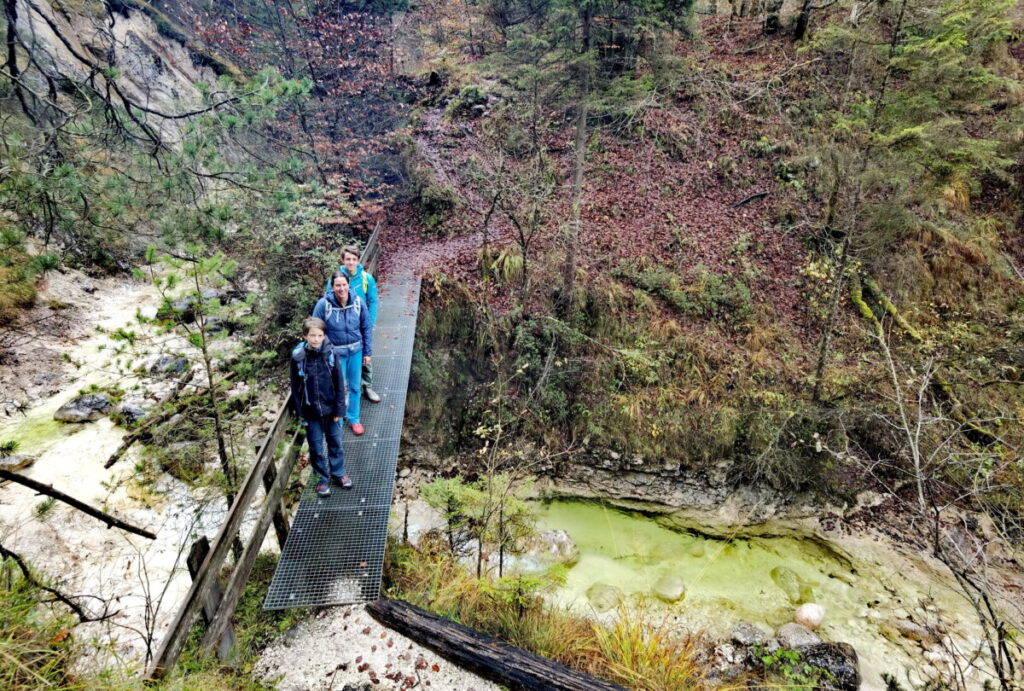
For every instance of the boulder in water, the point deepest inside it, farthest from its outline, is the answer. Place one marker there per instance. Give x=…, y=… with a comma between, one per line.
x=603, y=597
x=670, y=588
x=794, y=635
x=131, y=412
x=168, y=364
x=745, y=633
x=16, y=461
x=84, y=408
x=810, y=615
x=839, y=660
x=552, y=547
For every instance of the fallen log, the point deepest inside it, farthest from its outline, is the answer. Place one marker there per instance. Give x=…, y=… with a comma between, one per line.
x=755, y=196
x=490, y=658
x=49, y=491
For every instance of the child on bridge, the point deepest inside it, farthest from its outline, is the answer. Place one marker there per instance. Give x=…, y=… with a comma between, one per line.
x=318, y=395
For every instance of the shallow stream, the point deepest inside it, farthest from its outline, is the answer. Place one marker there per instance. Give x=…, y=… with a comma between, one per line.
x=865, y=586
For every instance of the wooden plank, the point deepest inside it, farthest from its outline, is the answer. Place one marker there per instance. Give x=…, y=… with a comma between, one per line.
x=236, y=584
x=280, y=522
x=177, y=633
x=200, y=548
x=490, y=658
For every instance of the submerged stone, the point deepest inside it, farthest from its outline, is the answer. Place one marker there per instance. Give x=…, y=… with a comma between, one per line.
x=915, y=632
x=795, y=588
x=84, y=408
x=603, y=597
x=670, y=588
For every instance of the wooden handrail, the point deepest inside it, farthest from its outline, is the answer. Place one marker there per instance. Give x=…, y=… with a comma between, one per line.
x=178, y=631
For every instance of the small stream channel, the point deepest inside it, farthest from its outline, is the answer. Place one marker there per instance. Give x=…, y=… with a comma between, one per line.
x=865, y=586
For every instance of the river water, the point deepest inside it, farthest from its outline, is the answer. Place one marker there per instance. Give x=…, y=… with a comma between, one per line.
x=865, y=586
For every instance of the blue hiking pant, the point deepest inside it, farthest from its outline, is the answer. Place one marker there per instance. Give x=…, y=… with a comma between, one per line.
x=352, y=368
x=333, y=463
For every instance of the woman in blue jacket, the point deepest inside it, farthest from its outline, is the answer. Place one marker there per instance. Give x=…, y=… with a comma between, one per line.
x=348, y=328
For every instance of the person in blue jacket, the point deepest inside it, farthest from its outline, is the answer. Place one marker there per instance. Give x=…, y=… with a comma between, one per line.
x=318, y=397
x=363, y=284
x=348, y=327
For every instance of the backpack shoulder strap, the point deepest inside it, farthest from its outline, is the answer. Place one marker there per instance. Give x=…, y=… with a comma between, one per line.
x=299, y=356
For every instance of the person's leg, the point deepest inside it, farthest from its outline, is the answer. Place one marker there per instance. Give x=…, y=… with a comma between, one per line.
x=353, y=378
x=371, y=395
x=315, y=436
x=335, y=451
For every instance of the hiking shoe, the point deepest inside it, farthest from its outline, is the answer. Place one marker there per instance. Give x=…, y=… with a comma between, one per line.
x=344, y=482
x=357, y=428
x=371, y=395
x=323, y=490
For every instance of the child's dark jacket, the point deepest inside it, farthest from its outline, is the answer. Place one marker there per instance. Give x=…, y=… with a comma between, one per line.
x=318, y=390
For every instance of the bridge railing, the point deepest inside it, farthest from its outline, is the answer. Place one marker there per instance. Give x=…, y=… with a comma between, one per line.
x=272, y=469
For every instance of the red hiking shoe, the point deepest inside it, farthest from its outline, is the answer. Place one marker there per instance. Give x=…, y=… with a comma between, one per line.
x=357, y=428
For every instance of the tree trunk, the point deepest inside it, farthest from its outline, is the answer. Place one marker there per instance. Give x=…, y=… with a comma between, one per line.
x=492, y=659
x=833, y=309
x=803, y=20
x=572, y=234
x=772, y=21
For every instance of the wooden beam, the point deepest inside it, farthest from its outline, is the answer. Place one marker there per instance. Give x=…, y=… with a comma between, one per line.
x=221, y=621
x=177, y=633
x=196, y=556
x=490, y=658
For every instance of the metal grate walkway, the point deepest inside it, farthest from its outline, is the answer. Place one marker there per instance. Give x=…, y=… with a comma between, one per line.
x=335, y=548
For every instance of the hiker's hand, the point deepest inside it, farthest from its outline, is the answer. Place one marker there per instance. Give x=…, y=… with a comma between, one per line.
x=337, y=419
x=366, y=359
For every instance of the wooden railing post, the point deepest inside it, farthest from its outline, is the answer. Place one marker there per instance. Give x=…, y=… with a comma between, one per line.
x=280, y=520
x=196, y=556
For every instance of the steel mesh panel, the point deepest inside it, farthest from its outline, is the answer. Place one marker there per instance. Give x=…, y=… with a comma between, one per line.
x=335, y=548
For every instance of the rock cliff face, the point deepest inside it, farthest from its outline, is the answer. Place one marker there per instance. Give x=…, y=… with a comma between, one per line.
x=149, y=66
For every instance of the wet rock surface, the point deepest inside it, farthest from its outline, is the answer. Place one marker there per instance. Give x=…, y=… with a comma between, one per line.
x=747, y=634
x=839, y=660
x=794, y=636
x=84, y=408
x=132, y=411
x=169, y=365
x=553, y=547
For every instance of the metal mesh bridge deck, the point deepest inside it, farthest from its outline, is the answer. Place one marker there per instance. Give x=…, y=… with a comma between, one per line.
x=335, y=548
